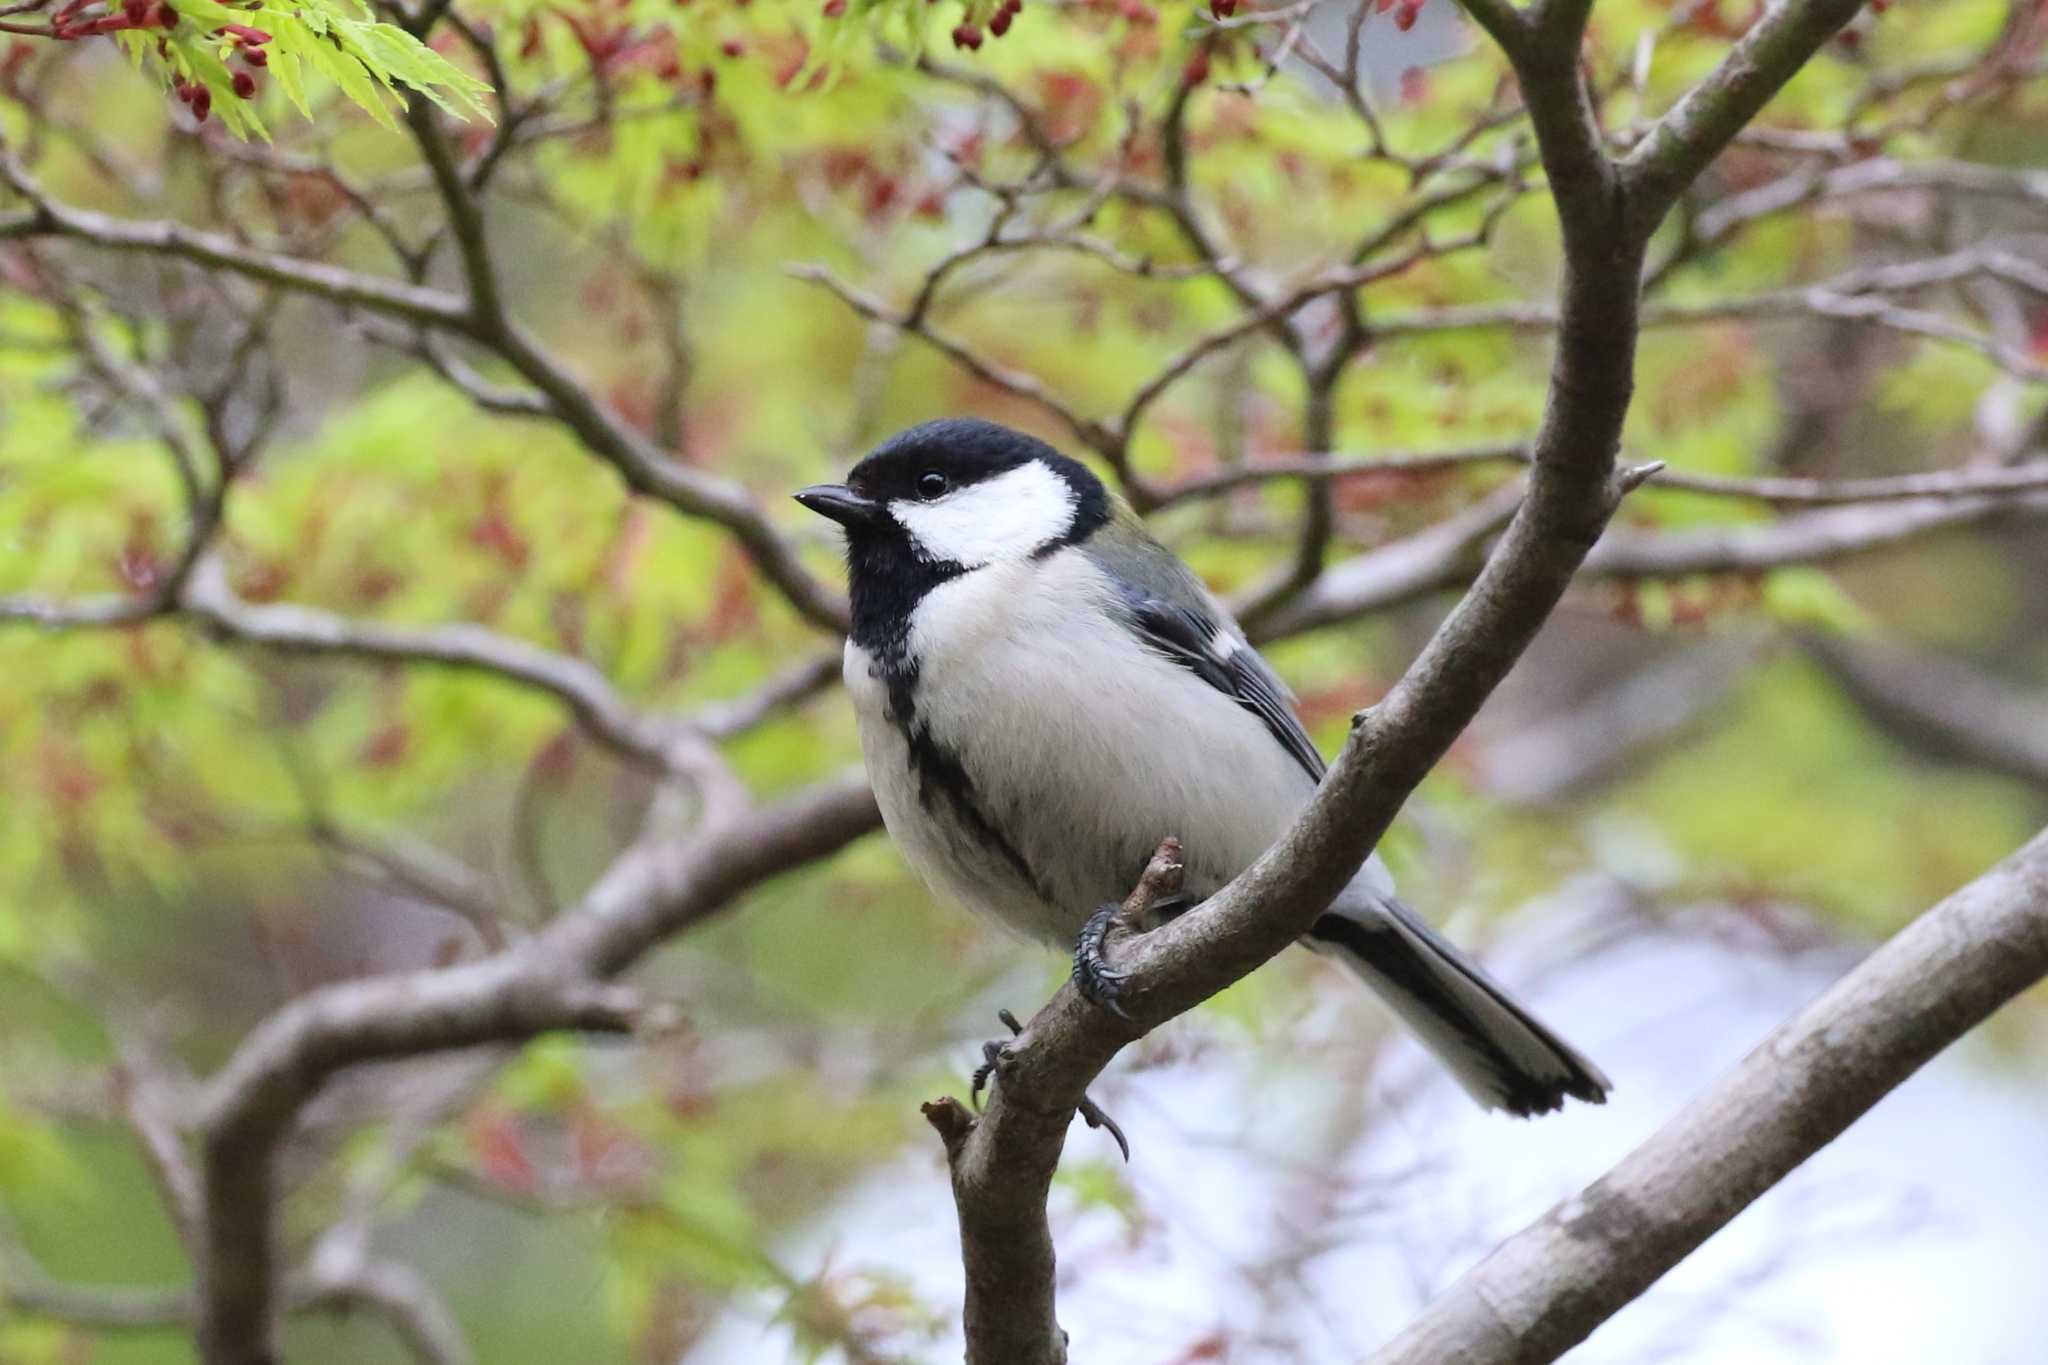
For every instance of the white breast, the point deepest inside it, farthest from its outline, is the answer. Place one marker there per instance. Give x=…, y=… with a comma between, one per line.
x=1083, y=746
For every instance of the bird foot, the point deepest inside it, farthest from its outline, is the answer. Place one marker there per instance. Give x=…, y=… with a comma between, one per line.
x=996, y=1053
x=1100, y=984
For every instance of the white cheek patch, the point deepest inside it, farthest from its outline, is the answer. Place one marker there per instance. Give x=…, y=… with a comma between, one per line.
x=1006, y=517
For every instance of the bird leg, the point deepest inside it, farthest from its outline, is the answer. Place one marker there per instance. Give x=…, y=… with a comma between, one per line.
x=996, y=1052
x=1156, y=898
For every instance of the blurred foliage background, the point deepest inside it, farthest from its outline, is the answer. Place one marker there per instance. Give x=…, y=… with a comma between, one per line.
x=1782, y=759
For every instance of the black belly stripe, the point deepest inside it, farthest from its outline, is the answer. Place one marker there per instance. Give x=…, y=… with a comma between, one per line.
x=940, y=775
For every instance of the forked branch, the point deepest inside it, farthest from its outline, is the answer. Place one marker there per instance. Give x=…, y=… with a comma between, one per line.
x=1003, y=1164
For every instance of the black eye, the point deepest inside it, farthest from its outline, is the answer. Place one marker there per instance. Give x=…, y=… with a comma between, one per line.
x=932, y=484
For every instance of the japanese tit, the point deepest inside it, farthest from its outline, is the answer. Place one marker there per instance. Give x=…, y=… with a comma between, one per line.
x=1044, y=692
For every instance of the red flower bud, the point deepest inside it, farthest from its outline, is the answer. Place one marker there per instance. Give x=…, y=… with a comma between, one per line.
x=732, y=47
x=834, y=8
x=967, y=36
x=242, y=33
x=256, y=57
x=202, y=103
x=245, y=85
x=1405, y=16
x=999, y=23
x=1222, y=9
x=1197, y=69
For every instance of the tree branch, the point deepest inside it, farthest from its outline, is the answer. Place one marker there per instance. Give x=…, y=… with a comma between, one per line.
x=555, y=980
x=1027, y=387
x=1556, y=756
x=1546, y=1288
x=580, y=686
x=1443, y=556
x=1777, y=491
x=405, y=1299
x=1879, y=175
x=250, y=1106
x=1861, y=295
x=1001, y=1171
x=1687, y=139
x=208, y=601
x=1004, y=1161
x=1808, y=538
x=1942, y=706
x=51, y=217
x=394, y=1291
x=644, y=467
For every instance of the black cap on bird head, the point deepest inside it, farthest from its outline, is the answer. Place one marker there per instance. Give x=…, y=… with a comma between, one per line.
x=948, y=497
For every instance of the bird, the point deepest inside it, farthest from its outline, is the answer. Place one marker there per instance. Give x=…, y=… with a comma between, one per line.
x=1044, y=692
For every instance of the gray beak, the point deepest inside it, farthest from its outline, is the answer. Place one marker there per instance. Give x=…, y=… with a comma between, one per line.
x=841, y=504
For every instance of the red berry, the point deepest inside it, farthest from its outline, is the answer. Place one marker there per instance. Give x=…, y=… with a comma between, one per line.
x=245, y=85
x=967, y=36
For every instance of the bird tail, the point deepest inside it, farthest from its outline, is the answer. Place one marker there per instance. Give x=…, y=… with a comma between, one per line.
x=1499, y=1052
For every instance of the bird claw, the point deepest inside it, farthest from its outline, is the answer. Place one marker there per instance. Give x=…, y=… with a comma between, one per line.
x=1092, y=1114
x=1099, y=983
x=996, y=1052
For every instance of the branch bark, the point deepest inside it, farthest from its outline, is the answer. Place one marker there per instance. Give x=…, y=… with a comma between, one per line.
x=1546, y=1288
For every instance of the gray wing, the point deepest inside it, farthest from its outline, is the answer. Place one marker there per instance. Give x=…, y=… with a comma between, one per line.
x=1169, y=610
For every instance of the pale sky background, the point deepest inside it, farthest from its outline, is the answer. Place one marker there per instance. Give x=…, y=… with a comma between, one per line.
x=1915, y=1238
